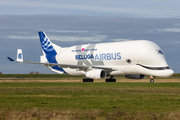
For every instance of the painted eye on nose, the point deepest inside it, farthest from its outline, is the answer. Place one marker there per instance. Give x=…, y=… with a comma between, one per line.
x=128, y=61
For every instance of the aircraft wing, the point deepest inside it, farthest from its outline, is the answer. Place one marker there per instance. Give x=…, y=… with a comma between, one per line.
x=20, y=59
x=79, y=67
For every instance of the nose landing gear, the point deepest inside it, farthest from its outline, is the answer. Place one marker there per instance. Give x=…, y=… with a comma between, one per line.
x=151, y=79
x=111, y=79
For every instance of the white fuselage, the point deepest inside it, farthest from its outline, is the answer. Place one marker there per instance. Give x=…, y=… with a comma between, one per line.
x=129, y=57
x=134, y=59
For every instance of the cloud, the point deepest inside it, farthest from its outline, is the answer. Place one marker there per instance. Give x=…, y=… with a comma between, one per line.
x=68, y=31
x=66, y=6
x=169, y=30
x=156, y=8
x=95, y=38
x=174, y=42
x=177, y=41
x=21, y=37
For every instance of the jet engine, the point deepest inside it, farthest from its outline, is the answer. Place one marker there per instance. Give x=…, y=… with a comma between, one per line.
x=135, y=76
x=96, y=74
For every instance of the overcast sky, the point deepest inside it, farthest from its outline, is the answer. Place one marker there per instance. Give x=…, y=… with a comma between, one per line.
x=73, y=22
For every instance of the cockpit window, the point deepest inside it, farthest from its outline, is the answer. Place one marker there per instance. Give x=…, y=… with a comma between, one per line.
x=154, y=68
x=160, y=52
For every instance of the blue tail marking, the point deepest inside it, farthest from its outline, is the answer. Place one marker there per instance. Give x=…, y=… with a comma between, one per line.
x=49, y=50
x=46, y=44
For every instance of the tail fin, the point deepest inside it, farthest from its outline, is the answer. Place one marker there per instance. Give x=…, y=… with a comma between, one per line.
x=19, y=55
x=47, y=46
x=50, y=51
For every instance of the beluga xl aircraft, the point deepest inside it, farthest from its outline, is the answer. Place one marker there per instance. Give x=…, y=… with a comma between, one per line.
x=134, y=59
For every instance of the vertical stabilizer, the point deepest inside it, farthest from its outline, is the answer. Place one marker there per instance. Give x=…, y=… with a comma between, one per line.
x=50, y=51
x=19, y=55
x=46, y=44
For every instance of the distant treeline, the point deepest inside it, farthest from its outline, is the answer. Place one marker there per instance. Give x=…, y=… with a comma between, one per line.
x=35, y=76
x=56, y=76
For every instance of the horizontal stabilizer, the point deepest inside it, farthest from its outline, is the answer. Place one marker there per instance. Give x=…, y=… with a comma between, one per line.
x=10, y=59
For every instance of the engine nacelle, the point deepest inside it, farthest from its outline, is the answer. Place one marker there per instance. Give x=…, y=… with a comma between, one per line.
x=96, y=74
x=135, y=76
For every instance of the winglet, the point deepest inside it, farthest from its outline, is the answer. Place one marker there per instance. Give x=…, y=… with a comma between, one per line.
x=19, y=55
x=11, y=59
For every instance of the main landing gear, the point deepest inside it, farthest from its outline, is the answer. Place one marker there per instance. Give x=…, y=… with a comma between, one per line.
x=111, y=79
x=88, y=80
x=151, y=79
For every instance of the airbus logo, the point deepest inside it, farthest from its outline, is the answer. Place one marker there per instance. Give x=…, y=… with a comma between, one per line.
x=100, y=57
x=20, y=56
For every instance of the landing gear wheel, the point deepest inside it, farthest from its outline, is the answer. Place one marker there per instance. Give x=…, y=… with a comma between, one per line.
x=88, y=80
x=84, y=80
x=111, y=79
x=91, y=80
x=151, y=80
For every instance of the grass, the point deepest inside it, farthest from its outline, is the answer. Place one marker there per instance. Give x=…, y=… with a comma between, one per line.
x=62, y=76
x=122, y=101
